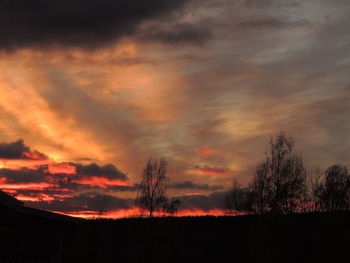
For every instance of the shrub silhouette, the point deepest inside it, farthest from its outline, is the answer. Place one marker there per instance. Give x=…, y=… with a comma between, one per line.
x=334, y=192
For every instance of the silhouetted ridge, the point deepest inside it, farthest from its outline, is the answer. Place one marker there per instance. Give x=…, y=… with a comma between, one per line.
x=13, y=210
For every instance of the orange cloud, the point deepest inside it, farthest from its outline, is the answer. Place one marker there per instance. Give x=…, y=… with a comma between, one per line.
x=206, y=151
x=36, y=121
x=19, y=163
x=207, y=170
x=42, y=197
x=61, y=197
x=9, y=191
x=28, y=186
x=35, y=198
x=102, y=182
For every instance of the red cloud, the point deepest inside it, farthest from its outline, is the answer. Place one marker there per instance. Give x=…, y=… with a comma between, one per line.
x=206, y=151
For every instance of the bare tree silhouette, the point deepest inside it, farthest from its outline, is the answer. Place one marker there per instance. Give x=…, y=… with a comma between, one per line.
x=280, y=181
x=259, y=190
x=100, y=212
x=314, y=187
x=233, y=199
x=151, y=195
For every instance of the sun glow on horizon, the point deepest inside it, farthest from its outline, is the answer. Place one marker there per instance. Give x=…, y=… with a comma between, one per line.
x=135, y=212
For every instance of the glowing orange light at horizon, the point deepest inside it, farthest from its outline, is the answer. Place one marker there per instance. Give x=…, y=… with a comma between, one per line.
x=193, y=194
x=137, y=212
x=199, y=212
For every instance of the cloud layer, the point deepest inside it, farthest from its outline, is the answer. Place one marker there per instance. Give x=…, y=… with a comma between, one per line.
x=17, y=150
x=87, y=24
x=202, y=83
x=77, y=189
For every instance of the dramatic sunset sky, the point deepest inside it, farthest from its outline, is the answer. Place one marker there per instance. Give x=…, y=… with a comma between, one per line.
x=90, y=89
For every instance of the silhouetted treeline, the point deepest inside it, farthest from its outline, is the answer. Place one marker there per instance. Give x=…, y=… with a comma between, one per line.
x=268, y=238
x=312, y=237
x=282, y=185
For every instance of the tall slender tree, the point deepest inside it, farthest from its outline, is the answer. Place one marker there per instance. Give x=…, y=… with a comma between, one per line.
x=151, y=195
x=233, y=199
x=260, y=189
x=314, y=185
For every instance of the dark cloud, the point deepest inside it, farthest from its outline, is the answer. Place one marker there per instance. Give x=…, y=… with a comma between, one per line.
x=85, y=190
x=90, y=201
x=270, y=23
x=107, y=171
x=58, y=187
x=73, y=181
x=95, y=201
x=178, y=34
x=203, y=202
x=18, y=150
x=82, y=23
x=191, y=185
x=270, y=66
x=131, y=188
x=61, y=177
x=215, y=200
x=23, y=175
x=41, y=173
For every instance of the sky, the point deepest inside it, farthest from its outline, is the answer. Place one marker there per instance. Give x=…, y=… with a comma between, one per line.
x=91, y=89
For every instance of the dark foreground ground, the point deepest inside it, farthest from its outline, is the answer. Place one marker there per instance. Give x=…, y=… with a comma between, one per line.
x=292, y=238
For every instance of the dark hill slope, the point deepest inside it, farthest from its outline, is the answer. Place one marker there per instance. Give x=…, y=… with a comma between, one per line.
x=31, y=235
